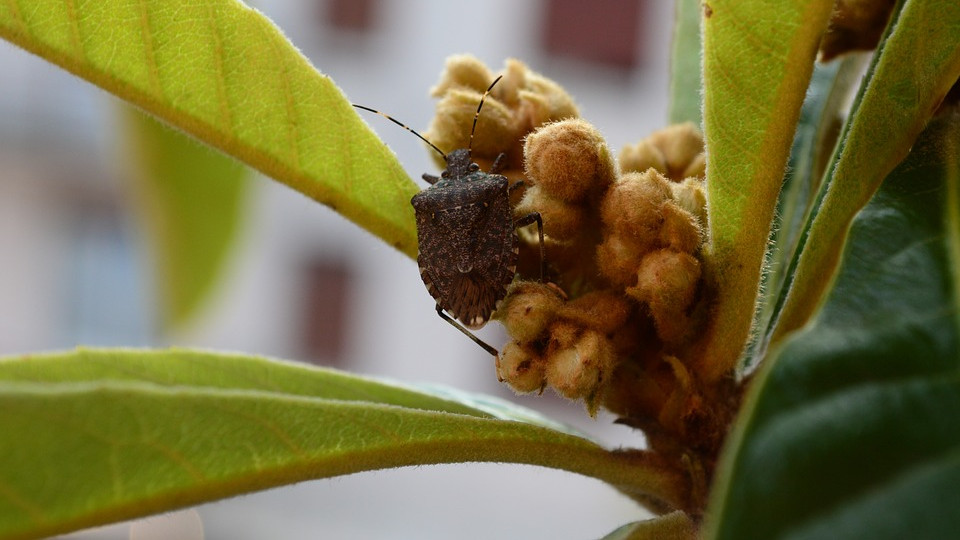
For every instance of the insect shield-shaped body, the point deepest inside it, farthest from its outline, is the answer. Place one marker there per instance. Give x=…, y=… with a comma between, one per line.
x=468, y=245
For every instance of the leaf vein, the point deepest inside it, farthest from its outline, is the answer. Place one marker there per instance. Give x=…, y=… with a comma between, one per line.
x=75, y=41
x=153, y=71
x=35, y=511
x=292, y=123
x=18, y=17
x=226, y=120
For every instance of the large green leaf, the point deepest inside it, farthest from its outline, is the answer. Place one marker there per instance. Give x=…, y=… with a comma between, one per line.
x=97, y=436
x=817, y=131
x=224, y=73
x=193, y=201
x=852, y=427
x=685, y=71
x=758, y=58
x=914, y=68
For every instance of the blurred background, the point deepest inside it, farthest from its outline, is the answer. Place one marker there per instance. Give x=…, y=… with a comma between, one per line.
x=302, y=283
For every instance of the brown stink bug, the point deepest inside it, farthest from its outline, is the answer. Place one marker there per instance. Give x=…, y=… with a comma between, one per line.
x=468, y=244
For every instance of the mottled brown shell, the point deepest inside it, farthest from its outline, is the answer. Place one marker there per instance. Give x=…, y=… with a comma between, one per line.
x=468, y=245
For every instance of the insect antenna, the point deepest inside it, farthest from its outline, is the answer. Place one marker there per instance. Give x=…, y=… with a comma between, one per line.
x=411, y=130
x=477, y=115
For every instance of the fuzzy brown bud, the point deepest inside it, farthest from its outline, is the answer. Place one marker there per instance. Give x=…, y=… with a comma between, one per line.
x=562, y=221
x=618, y=259
x=603, y=311
x=569, y=160
x=680, y=144
x=692, y=197
x=463, y=71
x=680, y=231
x=450, y=128
x=667, y=282
x=528, y=309
x=578, y=362
x=640, y=157
x=697, y=168
x=521, y=368
x=631, y=206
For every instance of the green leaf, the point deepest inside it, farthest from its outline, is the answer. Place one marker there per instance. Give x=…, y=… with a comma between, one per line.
x=852, y=428
x=193, y=201
x=817, y=132
x=225, y=74
x=917, y=63
x=685, y=69
x=97, y=436
x=758, y=58
x=673, y=526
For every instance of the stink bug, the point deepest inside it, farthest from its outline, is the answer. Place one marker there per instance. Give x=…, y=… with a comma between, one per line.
x=468, y=244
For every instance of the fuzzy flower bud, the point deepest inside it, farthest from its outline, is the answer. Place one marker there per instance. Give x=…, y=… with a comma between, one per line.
x=450, y=128
x=667, y=283
x=617, y=259
x=697, y=167
x=463, y=71
x=603, y=311
x=569, y=160
x=578, y=363
x=528, y=309
x=680, y=144
x=522, y=101
x=640, y=157
x=562, y=221
x=631, y=206
x=680, y=231
x=692, y=197
x=521, y=368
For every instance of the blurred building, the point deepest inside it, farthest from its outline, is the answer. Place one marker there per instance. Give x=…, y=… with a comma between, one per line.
x=306, y=284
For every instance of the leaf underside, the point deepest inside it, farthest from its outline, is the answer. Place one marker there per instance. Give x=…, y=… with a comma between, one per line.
x=96, y=436
x=192, y=201
x=225, y=74
x=852, y=428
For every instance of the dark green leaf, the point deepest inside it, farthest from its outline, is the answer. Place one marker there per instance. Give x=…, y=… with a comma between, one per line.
x=852, y=427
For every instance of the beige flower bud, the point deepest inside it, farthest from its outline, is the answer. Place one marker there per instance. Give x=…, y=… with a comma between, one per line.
x=632, y=205
x=521, y=368
x=680, y=231
x=640, y=157
x=463, y=71
x=667, y=283
x=603, y=311
x=561, y=221
x=578, y=363
x=692, y=197
x=569, y=160
x=528, y=309
x=450, y=128
x=680, y=144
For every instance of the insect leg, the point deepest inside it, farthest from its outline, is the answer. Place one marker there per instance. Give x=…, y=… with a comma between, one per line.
x=466, y=332
x=526, y=220
x=515, y=185
x=499, y=163
x=430, y=179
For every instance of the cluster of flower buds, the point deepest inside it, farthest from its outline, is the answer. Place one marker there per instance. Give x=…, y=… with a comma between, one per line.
x=623, y=237
x=624, y=245
x=522, y=101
